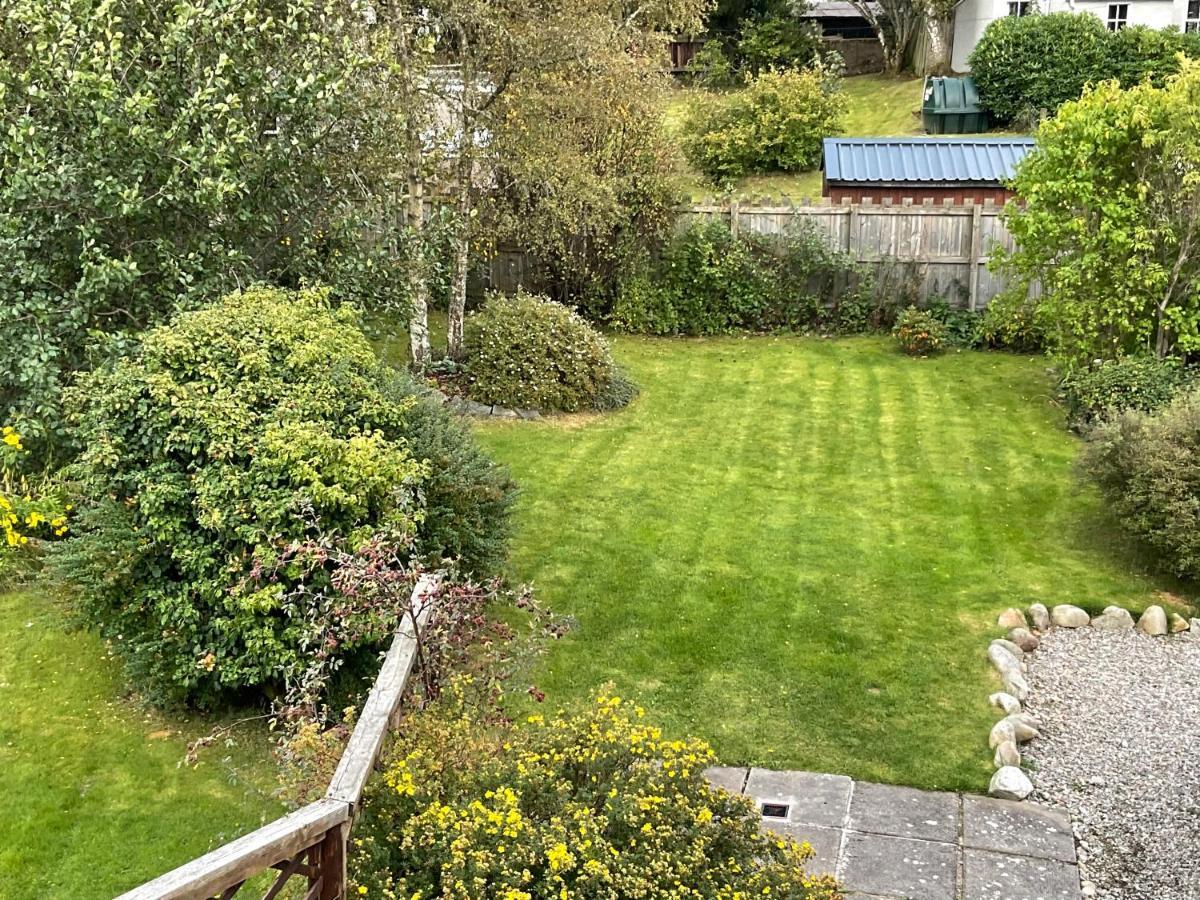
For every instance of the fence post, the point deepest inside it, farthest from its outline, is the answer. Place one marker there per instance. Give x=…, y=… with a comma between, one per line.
x=733, y=218
x=976, y=243
x=331, y=864
x=853, y=244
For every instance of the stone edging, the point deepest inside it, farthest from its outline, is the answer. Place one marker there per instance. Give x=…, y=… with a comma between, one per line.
x=465, y=407
x=1007, y=655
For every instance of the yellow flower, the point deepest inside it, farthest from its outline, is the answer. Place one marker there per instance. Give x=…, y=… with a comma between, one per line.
x=559, y=856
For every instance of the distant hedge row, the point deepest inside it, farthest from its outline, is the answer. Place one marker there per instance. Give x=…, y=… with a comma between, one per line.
x=1030, y=65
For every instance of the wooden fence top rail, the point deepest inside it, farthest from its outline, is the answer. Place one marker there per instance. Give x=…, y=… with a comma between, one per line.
x=246, y=856
x=362, y=751
x=283, y=840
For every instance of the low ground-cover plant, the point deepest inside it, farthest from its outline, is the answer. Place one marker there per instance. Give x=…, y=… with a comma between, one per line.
x=919, y=332
x=776, y=123
x=527, y=352
x=1028, y=66
x=598, y=804
x=705, y=281
x=1147, y=466
x=1107, y=387
x=224, y=440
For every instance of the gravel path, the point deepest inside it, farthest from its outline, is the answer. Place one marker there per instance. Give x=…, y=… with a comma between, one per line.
x=1120, y=749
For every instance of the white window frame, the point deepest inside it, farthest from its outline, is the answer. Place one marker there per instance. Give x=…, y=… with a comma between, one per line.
x=1118, y=16
x=1018, y=8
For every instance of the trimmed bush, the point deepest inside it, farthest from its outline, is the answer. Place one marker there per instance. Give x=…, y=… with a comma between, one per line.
x=1010, y=322
x=1147, y=466
x=919, y=332
x=776, y=123
x=527, y=352
x=222, y=441
x=705, y=281
x=593, y=805
x=1028, y=66
x=1143, y=383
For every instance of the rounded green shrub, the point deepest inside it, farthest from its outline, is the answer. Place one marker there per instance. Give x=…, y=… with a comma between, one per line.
x=1027, y=65
x=776, y=123
x=919, y=332
x=527, y=352
x=1111, y=386
x=597, y=805
x=225, y=439
x=1147, y=466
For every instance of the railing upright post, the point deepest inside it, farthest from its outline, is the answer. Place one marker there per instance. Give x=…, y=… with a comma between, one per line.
x=331, y=864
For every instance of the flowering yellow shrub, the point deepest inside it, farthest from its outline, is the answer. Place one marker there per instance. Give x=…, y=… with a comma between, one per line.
x=598, y=805
x=24, y=511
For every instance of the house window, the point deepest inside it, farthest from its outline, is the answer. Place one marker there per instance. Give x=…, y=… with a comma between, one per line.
x=1192, y=22
x=1118, y=16
x=1025, y=7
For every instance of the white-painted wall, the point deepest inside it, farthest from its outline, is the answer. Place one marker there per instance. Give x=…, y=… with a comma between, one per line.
x=973, y=16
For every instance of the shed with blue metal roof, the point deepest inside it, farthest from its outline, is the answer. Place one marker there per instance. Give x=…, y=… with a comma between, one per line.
x=918, y=169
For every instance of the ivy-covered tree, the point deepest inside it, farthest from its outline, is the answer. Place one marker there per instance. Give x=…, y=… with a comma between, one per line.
x=1109, y=223
x=154, y=155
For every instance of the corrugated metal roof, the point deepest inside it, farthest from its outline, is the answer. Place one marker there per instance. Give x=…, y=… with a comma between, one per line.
x=974, y=160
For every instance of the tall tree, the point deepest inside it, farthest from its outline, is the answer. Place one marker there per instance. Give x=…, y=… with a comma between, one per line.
x=501, y=47
x=896, y=23
x=939, y=25
x=1109, y=228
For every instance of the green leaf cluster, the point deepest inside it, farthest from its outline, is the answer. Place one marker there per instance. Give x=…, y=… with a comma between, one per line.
x=154, y=156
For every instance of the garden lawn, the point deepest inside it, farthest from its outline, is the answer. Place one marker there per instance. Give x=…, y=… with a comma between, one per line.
x=93, y=799
x=797, y=548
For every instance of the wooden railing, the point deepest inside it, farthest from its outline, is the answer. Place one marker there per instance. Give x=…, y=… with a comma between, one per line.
x=309, y=843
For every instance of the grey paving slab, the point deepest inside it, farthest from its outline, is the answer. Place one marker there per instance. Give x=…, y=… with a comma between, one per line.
x=900, y=867
x=1025, y=829
x=906, y=812
x=825, y=843
x=727, y=777
x=812, y=799
x=999, y=876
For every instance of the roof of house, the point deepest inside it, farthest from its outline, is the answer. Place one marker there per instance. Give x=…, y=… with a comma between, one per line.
x=833, y=9
x=974, y=160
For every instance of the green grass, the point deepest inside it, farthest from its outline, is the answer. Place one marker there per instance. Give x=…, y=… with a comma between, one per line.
x=93, y=799
x=797, y=548
x=878, y=105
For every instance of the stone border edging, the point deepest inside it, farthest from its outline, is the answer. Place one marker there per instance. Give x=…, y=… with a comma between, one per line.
x=465, y=407
x=1007, y=656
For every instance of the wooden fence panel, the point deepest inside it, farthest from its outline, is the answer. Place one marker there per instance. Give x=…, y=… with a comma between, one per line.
x=948, y=245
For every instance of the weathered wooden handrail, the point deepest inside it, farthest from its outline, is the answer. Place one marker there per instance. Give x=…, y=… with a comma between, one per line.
x=311, y=841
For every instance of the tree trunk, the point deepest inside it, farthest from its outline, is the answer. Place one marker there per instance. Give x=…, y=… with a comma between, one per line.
x=462, y=225
x=418, y=323
x=939, y=46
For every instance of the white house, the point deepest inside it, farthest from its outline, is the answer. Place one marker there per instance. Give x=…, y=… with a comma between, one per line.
x=973, y=16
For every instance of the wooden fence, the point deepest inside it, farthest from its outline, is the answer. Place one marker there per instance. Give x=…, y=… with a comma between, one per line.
x=309, y=843
x=949, y=245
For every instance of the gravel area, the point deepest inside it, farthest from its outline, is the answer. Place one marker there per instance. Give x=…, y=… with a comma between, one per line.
x=1120, y=750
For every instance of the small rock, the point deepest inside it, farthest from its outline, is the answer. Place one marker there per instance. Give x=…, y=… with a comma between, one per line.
x=1021, y=729
x=1011, y=618
x=1010, y=783
x=1178, y=623
x=1194, y=627
x=1006, y=754
x=1016, y=685
x=1153, y=621
x=1114, y=618
x=471, y=408
x=1012, y=648
x=1006, y=702
x=437, y=395
x=1067, y=616
x=1002, y=731
x=529, y=414
x=1024, y=638
x=1040, y=616
x=1087, y=889
x=503, y=412
x=1006, y=664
